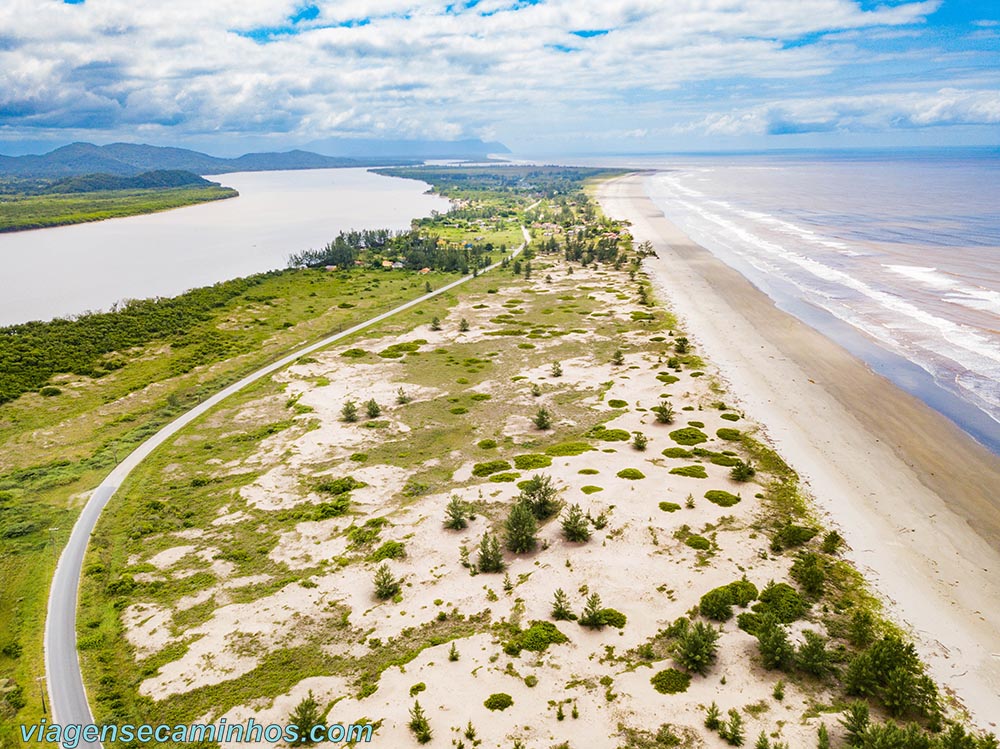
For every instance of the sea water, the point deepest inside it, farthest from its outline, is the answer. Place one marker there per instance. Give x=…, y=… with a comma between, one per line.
x=903, y=250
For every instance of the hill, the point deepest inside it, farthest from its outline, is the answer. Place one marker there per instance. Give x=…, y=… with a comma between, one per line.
x=147, y=180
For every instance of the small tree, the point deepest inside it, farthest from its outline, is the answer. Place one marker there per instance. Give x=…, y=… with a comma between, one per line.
x=543, y=419
x=775, y=649
x=812, y=656
x=401, y=397
x=521, y=528
x=713, y=718
x=536, y=390
x=696, y=647
x=435, y=323
x=664, y=412
x=540, y=495
x=427, y=287
x=618, y=358
x=855, y=721
x=418, y=724
x=808, y=572
x=373, y=409
x=456, y=514
x=557, y=369
x=681, y=345
x=349, y=411
x=490, y=555
x=560, y=607
x=386, y=584
x=732, y=732
x=639, y=441
x=742, y=471
x=306, y=716
x=762, y=741
x=463, y=325
x=453, y=654
x=822, y=737
x=575, y=526
x=592, y=616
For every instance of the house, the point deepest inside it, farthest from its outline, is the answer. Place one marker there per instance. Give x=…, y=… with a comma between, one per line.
x=424, y=270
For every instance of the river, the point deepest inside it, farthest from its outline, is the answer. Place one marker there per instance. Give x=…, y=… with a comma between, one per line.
x=72, y=269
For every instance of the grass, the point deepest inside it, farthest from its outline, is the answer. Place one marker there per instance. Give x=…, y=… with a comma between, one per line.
x=694, y=472
x=39, y=211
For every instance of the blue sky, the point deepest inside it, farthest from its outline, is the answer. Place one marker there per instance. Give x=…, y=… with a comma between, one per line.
x=542, y=76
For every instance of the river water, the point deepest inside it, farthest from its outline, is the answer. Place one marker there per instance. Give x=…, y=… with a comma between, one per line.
x=72, y=269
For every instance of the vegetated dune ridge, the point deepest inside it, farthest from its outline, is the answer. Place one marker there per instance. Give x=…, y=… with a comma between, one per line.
x=915, y=497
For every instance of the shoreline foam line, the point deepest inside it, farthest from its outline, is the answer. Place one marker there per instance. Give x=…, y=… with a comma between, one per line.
x=914, y=496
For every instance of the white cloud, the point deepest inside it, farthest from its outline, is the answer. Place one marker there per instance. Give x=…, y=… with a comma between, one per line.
x=414, y=68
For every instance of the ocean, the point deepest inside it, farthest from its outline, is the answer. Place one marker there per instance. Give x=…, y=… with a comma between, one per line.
x=895, y=256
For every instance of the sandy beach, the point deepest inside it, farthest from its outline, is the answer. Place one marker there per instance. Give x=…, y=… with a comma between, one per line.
x=916, y=499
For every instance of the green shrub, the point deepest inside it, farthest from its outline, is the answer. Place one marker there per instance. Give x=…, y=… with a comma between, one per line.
x=536, y=638
x=339, y=486
x=613, y=618
x=531, y=461
x=742, y=471
x=782, y=601
x=724, y=460
x=728, y=434
x=49, y=391
x=677, y=452
x=590, y=489
x=632, y=474
x=417, y=688
x=600, y=432
x=791, y=535
x=486, y=444
x=504, y=478
x=389, y=550
x=666, y=378
x=669, y=506
x=458, y=410
x=615, y=403
x=698, y=424
x=671, y=681
x=480, y=396
x=588, y=472
x=688, y=436
x=698, y=542
x=568, y=449
x=721, y=498
x=717, y=604
x=730, y=417
x=498, y=701
x=531, y=681
x=491, y=466
x=694, y=472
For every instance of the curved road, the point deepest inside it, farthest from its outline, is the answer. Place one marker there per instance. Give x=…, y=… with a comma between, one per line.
x=67, y=695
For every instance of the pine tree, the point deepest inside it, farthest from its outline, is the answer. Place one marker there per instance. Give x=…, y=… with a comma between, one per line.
x=435, y=323
x=855, y=722
x=453, y=654
x=521, y=528
x=575, y=526
x=349, y=411
x=812, y=656
x=696, y=647
x=540, y=495
x=664, y=412
x=401, y=397
x=490, y=556
x=639, y=441
x=456, y=514
x=306, y=716
x=618, y=358
x=775, y=649
x=463, y=325
x=733, y=732
x=543, y=419
x=762, y=742
x=386, y=584
x=373, y=409
x=418, y=724
x=560, y=606
x=713, y=717
x=592, y=615
x=557, y=369
x=822, y=737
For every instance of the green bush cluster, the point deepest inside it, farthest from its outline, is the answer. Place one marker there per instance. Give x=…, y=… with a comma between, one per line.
x=499, y=701
x=694, y=471
x=671, y=681
x=721, y=498
x=531, y=461
x=688, y=436
x=536, y=638
x=718, y=603
x=632, y=474
x=490, y=466
x=791, y=535
x=600, y=432
x=728, y=434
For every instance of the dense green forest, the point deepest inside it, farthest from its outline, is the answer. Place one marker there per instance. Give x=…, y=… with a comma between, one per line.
x=30, y=353
x=22, y=211
x=537, y=181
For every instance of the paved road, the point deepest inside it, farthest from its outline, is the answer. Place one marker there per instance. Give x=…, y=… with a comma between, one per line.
x=67, y=695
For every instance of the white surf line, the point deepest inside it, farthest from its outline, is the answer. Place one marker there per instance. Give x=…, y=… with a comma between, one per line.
x=67, y=695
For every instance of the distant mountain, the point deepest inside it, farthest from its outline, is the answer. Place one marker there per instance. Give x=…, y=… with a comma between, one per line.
x=146, y=180
x=131, y=159
x=470, y=149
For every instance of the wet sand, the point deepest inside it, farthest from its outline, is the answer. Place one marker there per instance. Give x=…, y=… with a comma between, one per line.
x=916, y=498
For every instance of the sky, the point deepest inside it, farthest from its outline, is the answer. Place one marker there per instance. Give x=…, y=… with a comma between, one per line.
x=541, y=76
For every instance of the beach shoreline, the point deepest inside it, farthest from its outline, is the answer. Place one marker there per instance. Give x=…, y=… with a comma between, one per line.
x=910, y=491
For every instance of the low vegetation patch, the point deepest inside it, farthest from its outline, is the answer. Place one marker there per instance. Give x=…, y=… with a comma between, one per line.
x=688, y=436
x=536, y=638
x=499, y=701
x=591, y=489
x=677, y=452
x=721, y=498
x=694, y=472
x=671, y=681
x=531, y=461
x=601, y=432
x=632, y=474
x=669, y=506
x=728, y=434
x=615, y=403
x=568, y=449
x=489, y=467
